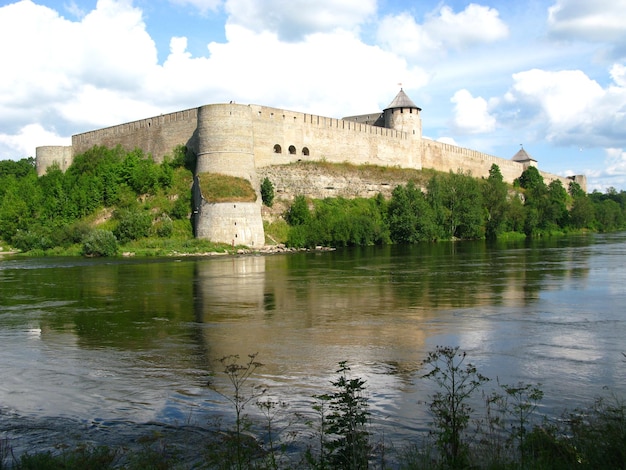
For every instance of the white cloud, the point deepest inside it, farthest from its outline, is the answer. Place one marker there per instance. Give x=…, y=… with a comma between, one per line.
x=293, y=20
x=22, y=144
x=565, y=105
x=471, y=115
x=616, y=161
x=441, y=30
x=475, y=25
x=301, y=76
x=618, y=74
x=81, y=74
x=597, y=20
x=109, y=48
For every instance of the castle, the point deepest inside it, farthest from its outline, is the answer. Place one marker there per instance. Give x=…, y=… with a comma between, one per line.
x=235, y=139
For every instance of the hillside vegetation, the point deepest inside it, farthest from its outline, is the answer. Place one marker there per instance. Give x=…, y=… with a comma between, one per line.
x=111, y=201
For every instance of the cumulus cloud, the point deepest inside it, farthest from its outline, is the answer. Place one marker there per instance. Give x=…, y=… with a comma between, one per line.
x=102, y=68
x=299, y=76
x=293, y=20
x=443, y=29
x=600, y=20
x=471, y=115
x=22, y=144
x=109, y=48
x=568, y=107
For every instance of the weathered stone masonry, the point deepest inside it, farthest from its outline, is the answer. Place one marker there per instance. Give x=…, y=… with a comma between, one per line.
x=236, y=140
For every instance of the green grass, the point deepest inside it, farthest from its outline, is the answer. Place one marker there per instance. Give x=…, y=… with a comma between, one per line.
x=374, y=172
x=222, y=188
x=276, y=232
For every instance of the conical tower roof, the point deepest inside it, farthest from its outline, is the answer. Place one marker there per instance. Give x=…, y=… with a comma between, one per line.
x=401, y=101
x=522, y=156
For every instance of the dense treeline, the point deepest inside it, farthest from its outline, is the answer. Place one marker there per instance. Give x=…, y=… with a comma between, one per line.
x=145, y=199
x=40, y=213
x=457, y=206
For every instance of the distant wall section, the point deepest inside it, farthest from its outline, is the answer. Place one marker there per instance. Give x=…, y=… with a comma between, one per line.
x=282, y=137
x=156, y=135
x=445, y=157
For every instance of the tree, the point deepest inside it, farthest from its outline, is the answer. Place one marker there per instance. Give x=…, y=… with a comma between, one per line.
x=582, y=213
x=555, y=212
x=299, y=212
x=457, y=201
x=495, y=200
x=410, y=217
x=532, y=180
x=267, y=192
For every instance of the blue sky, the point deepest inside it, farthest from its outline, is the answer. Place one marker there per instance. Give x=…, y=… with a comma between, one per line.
x=490, y=75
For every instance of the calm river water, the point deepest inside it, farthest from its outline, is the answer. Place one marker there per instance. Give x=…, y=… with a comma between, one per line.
x=95, y=344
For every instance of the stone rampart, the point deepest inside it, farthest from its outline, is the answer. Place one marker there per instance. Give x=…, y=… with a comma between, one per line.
x=445, y=157
x=157, y=135
x=282, y=137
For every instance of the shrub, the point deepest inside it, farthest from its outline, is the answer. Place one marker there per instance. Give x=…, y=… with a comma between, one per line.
x=100, y=243
x=133, y=224
x=164, y=227
x=182, y=207
x=298, y=213
x=37, y=239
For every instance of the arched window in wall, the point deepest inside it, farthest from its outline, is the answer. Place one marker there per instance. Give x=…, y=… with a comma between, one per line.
x=305, y=151
x=278, y=149
x=292, y=150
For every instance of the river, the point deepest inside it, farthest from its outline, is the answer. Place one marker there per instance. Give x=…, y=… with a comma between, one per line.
x=99, y=346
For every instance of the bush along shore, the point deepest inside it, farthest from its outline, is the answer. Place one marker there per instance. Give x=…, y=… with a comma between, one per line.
x=507, y=432
x=111, y=202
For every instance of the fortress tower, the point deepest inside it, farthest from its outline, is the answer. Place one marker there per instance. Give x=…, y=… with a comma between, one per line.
x=402, y=115
x=226, y=146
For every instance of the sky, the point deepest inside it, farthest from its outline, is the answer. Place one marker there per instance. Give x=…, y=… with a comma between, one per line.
x=490, y=75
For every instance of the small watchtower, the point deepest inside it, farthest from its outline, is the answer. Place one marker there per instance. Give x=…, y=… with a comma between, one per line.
x=522, y=157
x=403, y=115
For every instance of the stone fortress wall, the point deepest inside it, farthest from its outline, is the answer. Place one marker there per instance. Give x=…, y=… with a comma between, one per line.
x=238, y=140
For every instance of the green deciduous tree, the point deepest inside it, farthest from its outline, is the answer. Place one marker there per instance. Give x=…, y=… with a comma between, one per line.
x=495, y=200
x=267, y=192
x=410, y=217
x=457, y=202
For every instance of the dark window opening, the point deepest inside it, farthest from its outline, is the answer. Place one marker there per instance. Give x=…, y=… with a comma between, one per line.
x=305, y=151
x=292, y=150
x=278, y=149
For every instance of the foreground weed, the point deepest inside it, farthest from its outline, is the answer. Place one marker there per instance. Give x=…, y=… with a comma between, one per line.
x=457, y=381
x=344, y=435
x=83, y=457
x=238, y=444
x=599, y=434
x=275, y=448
